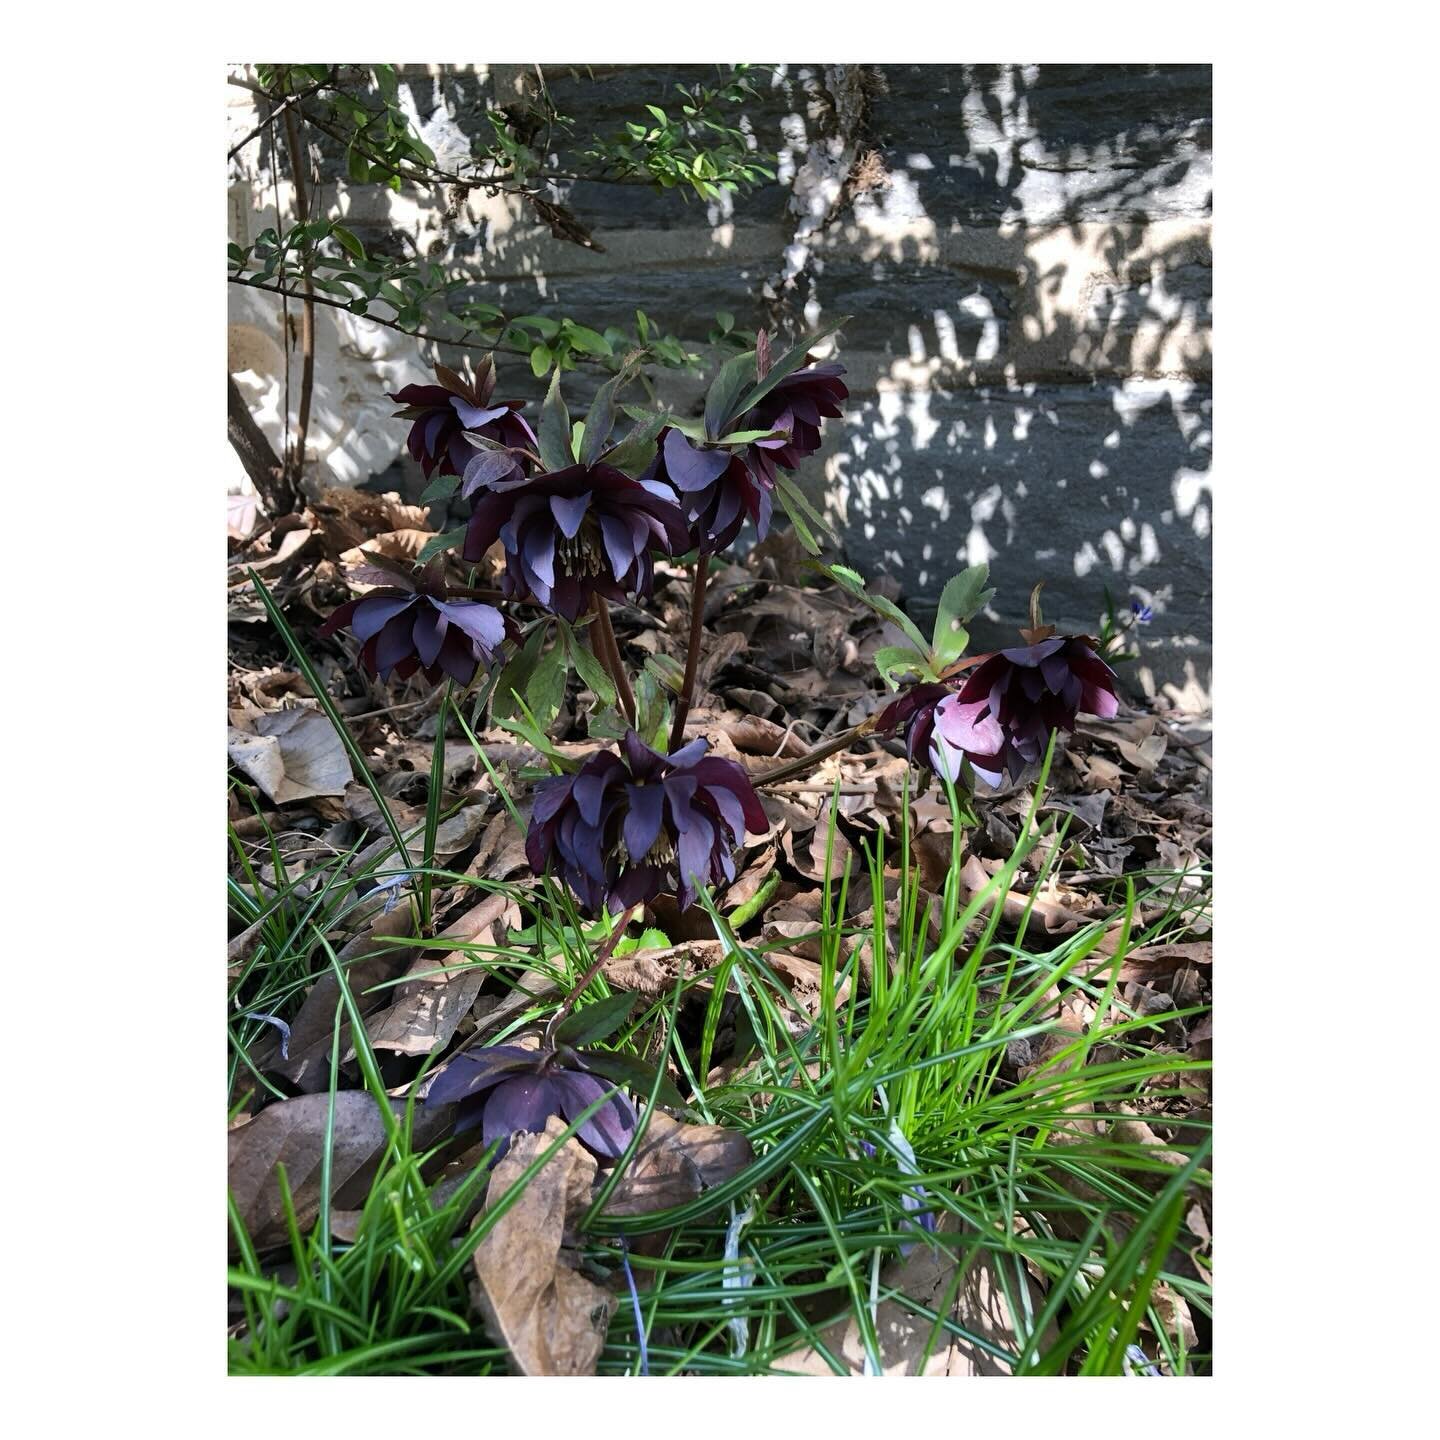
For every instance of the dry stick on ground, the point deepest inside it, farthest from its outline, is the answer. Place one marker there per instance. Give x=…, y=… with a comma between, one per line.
x=812, y=758
x=609, y=657
x=692, y=656
x=307, y=321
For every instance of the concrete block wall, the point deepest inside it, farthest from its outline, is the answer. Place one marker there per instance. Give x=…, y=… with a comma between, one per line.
x=1025, y=255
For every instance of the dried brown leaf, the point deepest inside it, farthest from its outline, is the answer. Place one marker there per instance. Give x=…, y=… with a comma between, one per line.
x=292, y=1133
x=292, y=755
x=551, y=1319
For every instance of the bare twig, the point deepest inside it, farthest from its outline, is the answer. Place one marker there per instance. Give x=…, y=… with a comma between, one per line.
x=307, y=321
x=812, y=758
x=327, y=83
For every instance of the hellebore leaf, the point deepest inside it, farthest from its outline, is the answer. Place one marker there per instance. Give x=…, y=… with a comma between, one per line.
x=601, y=420
x=591, y=671
x=892, y=660
x=854, y=582
x=595, y=1021
x=963, y=595
x=735, y=375
x=554, y=436
x=802, y=514
x=787, y=364
x=440, y=488
x=635, y=452
x=515, y=677
x=545, y=693
x=438, y=544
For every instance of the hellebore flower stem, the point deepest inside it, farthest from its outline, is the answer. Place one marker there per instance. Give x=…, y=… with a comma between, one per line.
x=432, y=806
x=610, y=657
x=812, y=758
x=692, y=656
x=568, y=1004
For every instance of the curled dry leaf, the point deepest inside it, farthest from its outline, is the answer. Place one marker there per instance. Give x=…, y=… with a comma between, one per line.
x=292, y=755
x=292, y=1133
x=551, y=1319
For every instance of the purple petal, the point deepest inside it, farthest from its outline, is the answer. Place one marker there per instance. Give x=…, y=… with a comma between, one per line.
x=429, y=632
x=539, y=554
x=569, y=512
x=472, y=417
x=620, y=544
x=394, y=642
x=524, y=1103
x=643, y=819
x=608, y=1130
x=689, y=468
x=371, y=616
x=473, y=1071
x=484, y=624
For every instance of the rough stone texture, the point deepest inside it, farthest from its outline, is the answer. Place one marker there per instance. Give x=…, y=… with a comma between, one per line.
x=1025, y=254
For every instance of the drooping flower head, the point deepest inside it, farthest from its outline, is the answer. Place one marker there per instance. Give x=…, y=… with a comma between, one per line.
x=1002, y=713
x=1031, y=691
x=794, y=408
x=719, y=485
x=628, y=826
x=504, y=1088
x=715, y=488
x=574, y=533
x=443, y=413
x=419, y=623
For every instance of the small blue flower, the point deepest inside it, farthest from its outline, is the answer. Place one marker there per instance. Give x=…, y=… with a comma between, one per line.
x=1143, y=613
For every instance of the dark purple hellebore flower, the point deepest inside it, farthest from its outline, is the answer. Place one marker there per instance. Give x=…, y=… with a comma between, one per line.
x=419, y=624
x=574, y=533
x=718, y=486
x=443, y=413
x=1030, y=691
x=503, y=1088
x=940, y=732
x=716, y=490
x=795, y=407
x=628, y=826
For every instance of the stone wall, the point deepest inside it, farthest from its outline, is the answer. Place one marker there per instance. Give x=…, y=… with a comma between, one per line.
x=1025, y=254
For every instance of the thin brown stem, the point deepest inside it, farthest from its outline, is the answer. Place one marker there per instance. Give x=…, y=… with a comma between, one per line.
x=568, y=1004
x=608, y=654
x=307, y=319
x=812, y=758
x=692, y=655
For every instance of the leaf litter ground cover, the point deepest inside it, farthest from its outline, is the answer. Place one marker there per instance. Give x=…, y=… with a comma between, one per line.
x=928, y=1096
